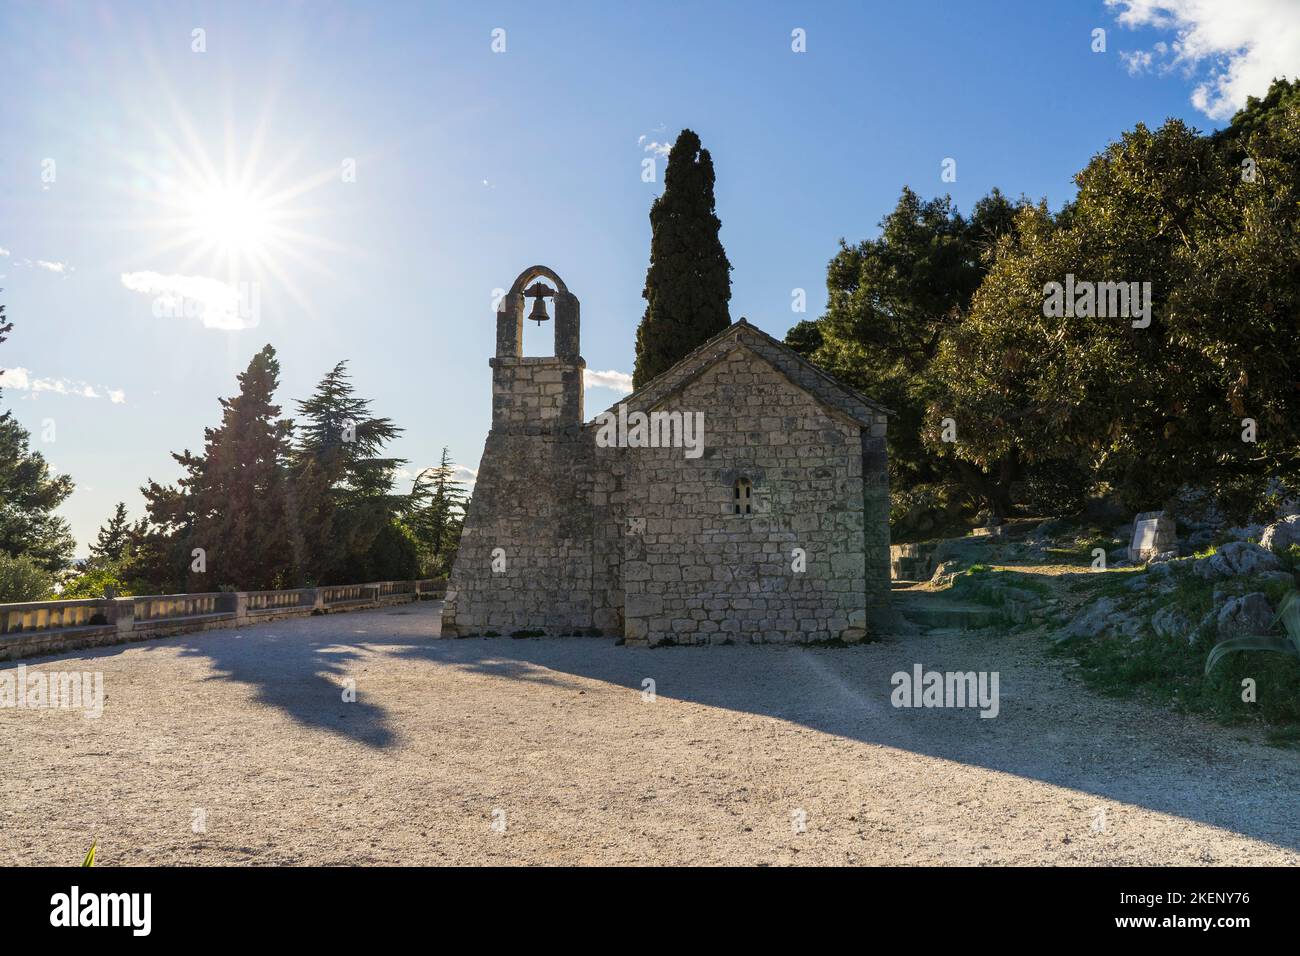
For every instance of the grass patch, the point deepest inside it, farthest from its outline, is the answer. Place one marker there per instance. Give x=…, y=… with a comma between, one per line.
x=1170, y=671
x=1080, y=550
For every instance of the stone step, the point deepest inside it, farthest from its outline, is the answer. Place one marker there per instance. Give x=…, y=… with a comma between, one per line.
x=932, y=613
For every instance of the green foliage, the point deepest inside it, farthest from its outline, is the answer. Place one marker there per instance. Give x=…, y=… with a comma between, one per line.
x=234, y=500
x=1288, y=614
x=22, y=579
x=1146, y=409
x=435, y=516
x=114, y=537
x=29, y=495
x=1290, y=558
x=97, y=580
x=90, y=855
x=688, y=284
x=942, y=317
x=892, y=301
x=270, y=512
x=347, y=512
x=1172, y=671
x=931, y=510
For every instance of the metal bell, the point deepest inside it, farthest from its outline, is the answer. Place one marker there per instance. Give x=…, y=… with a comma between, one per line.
x=538, y=314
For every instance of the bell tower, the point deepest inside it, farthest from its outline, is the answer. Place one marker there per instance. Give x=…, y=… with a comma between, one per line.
x=525, y=558
x=537, y=390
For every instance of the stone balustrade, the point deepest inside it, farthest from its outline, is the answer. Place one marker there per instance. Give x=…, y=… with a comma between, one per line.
x=51, y=627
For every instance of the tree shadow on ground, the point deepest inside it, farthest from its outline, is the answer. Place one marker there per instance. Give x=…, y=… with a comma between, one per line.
x=297, y=674
x=292, y=665
x=1049, y=728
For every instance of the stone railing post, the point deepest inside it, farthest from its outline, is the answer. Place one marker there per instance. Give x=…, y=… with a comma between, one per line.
x=124, y=614
x=241, y=606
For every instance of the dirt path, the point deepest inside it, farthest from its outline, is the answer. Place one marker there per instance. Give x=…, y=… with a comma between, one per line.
x=246, y=732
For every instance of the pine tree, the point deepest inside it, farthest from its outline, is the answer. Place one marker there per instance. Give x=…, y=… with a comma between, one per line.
x=343, y=486
x=29, y=494
x=243, y=507
x=233, y=500
x=114, y=537
x=438, y=511
x=688, y=284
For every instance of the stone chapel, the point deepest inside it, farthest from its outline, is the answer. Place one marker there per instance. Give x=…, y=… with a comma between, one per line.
x=773, y=527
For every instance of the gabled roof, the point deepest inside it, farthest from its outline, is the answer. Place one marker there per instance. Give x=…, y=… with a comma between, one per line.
x=740, y=334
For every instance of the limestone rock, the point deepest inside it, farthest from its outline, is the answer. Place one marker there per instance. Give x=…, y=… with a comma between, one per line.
x=944, y=574
x=1281, y=535
x=1248, y=614
x=1175, y=623
x=1099, y=618
x=1236, y=558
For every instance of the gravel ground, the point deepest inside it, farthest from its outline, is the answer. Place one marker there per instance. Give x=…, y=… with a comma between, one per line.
x=244, y=735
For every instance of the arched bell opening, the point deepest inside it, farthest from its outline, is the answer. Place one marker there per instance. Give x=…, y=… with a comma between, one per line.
x=540, y=295
x=539, y=312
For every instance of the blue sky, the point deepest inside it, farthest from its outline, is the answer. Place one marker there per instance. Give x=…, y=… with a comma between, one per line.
x=177, y=172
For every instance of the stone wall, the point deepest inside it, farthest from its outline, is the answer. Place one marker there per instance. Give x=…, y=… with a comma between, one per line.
x=54, y=627
x=525, y=559
x=693, y=571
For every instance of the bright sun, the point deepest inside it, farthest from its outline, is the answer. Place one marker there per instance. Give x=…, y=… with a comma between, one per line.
x=235, y=221
x=232, y=222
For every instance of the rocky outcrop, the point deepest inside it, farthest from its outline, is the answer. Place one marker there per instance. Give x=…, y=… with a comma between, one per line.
x=1248, y=614
x=1175, y=623
x=1101, y=617
x=1235, y=558
x=1281, y=535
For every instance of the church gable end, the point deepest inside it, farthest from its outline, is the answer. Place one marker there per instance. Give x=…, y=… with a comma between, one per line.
x=763, y=537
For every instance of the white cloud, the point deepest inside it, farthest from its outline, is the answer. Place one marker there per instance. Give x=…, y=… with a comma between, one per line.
x=16, y=378
x=58, y=268
x=618, y=381
x=1244, y=44
x=461, y=473
x=4, y=252
x=21, y=380
x=661, y=149
x=217, y=304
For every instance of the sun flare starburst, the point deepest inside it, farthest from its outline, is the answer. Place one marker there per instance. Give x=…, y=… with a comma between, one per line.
x=236, y=220
x=223, y=220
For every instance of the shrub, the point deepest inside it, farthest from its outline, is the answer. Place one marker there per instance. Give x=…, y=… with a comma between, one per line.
x=22, y=579
x=1288, y=614
x=94, y=582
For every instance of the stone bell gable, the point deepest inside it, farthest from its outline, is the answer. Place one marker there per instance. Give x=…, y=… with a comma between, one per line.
x=771, y=525
x=525, y=550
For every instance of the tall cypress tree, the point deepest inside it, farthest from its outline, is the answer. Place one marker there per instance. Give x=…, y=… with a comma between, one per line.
x=688, y=284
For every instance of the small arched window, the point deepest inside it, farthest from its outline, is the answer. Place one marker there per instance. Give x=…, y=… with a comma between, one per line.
x=743, y=496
